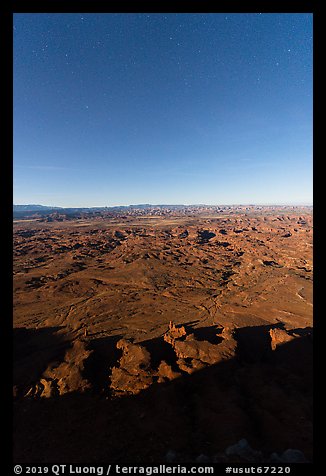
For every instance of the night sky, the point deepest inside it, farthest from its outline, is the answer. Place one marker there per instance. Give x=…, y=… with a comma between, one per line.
x=118, y=109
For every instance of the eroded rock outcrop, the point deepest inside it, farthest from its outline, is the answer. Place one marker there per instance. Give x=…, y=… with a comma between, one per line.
x=195, y=354
x=165, y=372
x=134, y=372
x=279, y=337
x=173, y=333
x=66, y=377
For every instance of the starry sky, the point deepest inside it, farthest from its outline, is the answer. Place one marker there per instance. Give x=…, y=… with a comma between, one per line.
x=117, y=109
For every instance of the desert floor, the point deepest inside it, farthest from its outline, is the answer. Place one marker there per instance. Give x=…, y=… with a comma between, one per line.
x=155, y=339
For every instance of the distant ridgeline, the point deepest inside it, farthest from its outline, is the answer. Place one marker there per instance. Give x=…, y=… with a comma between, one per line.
x=25, y=211
x=47, y=213
x=21, y=211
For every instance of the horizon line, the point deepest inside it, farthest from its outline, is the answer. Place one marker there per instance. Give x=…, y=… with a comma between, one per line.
x=172, y=205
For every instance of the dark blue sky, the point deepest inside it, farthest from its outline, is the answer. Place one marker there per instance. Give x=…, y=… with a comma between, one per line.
x=162, y=108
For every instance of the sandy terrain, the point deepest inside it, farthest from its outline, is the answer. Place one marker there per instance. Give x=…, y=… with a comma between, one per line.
x=163, y=339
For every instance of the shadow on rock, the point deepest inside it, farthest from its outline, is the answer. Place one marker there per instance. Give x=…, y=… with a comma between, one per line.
x=34, y=350
x=261, y=395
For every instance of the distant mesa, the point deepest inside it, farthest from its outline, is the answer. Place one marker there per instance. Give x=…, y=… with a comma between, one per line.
x=125, y=211
x=32, y=208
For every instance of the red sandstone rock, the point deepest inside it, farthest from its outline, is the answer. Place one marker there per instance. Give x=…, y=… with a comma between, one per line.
x=67, y=377
x=174, y=332
x=134, y=373
x=165, y=372
x=278, y=337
